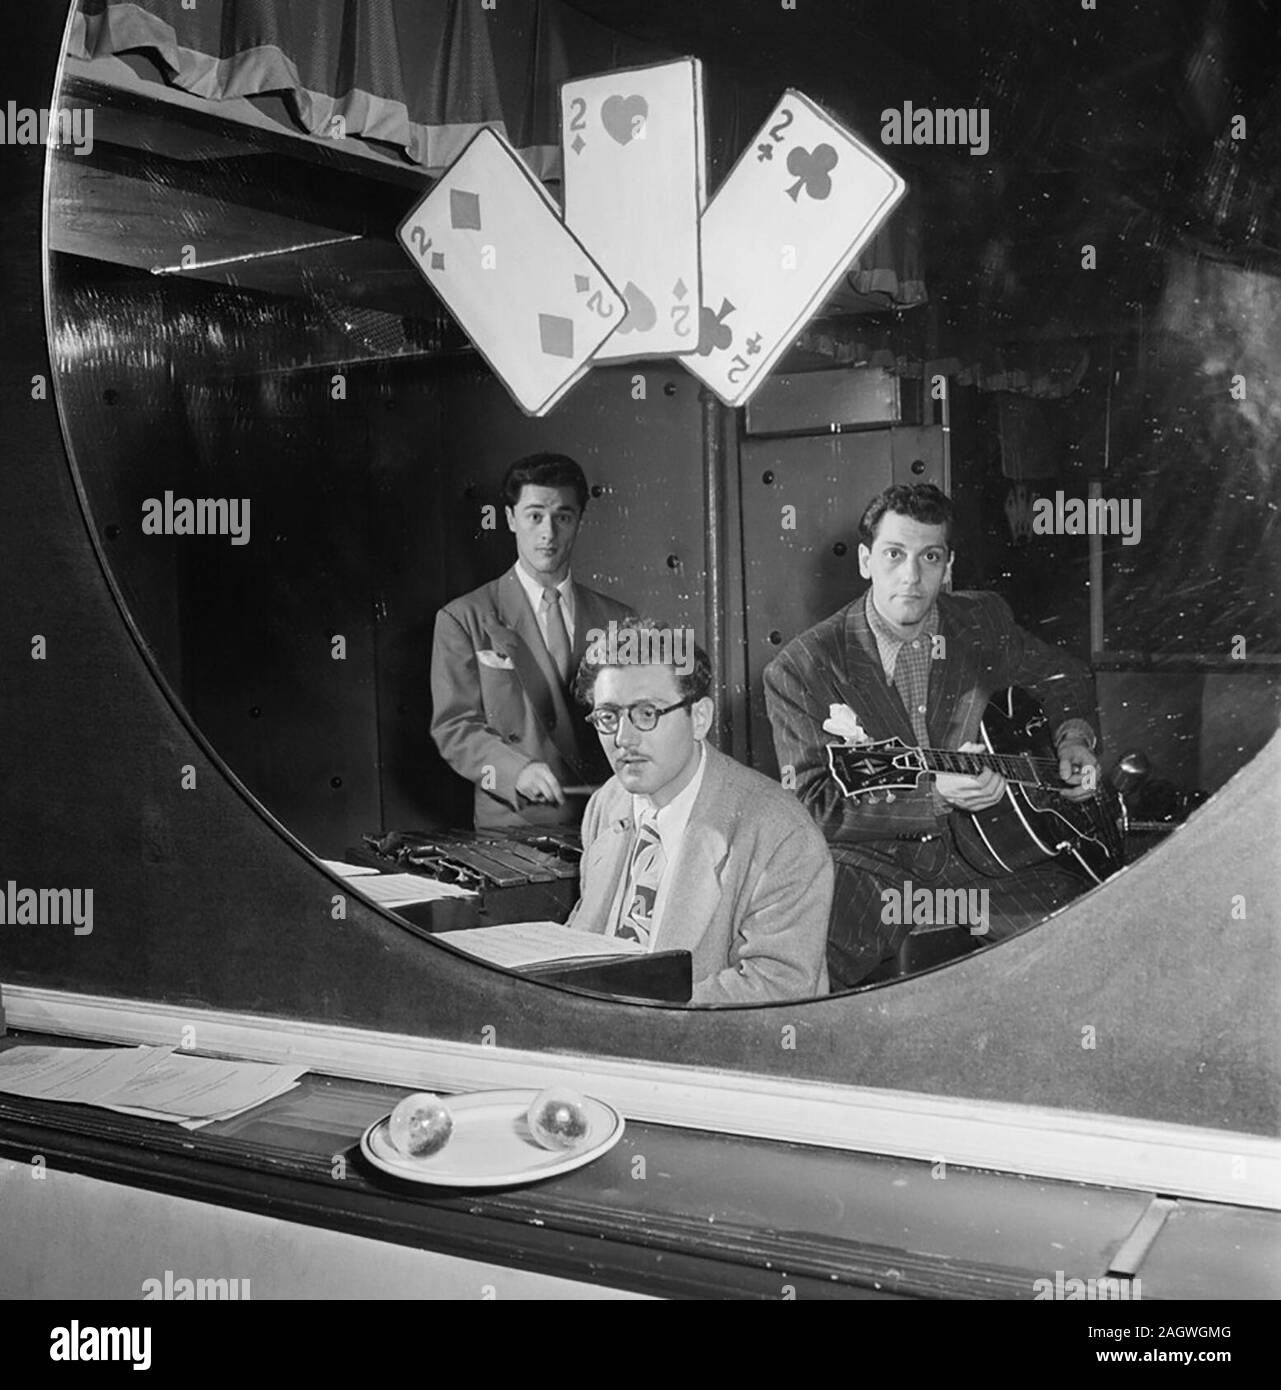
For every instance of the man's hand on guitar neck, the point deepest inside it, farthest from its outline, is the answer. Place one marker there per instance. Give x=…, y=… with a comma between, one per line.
x=1079, y=767
x=971, y=793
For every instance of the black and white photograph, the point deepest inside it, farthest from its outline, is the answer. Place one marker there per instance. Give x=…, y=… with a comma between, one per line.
x=641, y=660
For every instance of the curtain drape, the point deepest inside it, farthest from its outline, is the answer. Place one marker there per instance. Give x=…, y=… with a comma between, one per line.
x=420, y=77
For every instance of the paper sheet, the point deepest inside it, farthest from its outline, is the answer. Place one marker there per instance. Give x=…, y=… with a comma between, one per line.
x=82, y=1074
x=153, y=1081
x=514, y=944
x=394, y=890
x=345, y=870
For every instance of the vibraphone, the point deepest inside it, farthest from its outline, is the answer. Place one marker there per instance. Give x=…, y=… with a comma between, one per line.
x=531, y=876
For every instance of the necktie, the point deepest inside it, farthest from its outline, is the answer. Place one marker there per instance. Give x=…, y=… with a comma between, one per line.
x=645, y=873
x=557, y=635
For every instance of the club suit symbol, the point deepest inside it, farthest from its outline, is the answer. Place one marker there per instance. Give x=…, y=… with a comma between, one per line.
x=713, y=331
x=813, y=171
x=624, y=117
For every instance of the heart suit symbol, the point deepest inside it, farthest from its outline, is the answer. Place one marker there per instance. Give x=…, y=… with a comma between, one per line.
x=623, y=117
x=641, y=314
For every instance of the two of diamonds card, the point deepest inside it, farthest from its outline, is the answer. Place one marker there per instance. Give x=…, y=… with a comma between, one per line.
x=796, y=209
x=633, y=147
x=489, y=241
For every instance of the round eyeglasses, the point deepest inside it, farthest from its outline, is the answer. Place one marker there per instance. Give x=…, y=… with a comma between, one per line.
x=643, y=715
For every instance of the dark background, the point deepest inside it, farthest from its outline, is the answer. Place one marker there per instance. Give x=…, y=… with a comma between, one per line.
x=368, y=510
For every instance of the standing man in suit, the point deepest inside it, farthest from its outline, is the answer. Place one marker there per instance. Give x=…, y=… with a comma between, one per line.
x=685, y=849
x=504, y=656
x=913, y=662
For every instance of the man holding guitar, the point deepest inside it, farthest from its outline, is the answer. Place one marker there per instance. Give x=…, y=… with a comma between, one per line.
x=911, y=662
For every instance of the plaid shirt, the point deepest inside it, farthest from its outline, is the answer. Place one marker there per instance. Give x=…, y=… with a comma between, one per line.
x=907, y=669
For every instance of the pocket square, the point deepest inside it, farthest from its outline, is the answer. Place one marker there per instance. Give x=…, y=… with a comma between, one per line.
x=496, y=661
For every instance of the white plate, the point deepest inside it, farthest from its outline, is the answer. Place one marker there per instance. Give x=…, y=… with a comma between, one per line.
x=491, y=1145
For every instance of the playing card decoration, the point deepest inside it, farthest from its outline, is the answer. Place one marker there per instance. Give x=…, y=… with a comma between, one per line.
x=796, y=209
x=634, y=189
x=725, y=288
x=489, y=241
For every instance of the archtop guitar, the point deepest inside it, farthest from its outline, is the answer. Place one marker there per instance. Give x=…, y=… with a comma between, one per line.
x=1033, y=822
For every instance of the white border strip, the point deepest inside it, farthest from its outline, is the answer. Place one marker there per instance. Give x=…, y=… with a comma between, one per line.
x=1069, y=1145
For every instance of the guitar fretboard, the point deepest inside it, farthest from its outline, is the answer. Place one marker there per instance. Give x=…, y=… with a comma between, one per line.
x=1022, y=768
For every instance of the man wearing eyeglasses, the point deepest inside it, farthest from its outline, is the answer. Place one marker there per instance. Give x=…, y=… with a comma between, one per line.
x=683, y=848
x=503, y=660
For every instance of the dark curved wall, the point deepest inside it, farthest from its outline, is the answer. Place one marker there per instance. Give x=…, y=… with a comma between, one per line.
x=199, y=899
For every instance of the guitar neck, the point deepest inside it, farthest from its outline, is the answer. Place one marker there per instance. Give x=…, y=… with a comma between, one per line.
x=1020, y=768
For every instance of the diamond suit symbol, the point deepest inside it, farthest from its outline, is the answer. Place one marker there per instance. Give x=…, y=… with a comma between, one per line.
x=464, y=209
x=556, y=335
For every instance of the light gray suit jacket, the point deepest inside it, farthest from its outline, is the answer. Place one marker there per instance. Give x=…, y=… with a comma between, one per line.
x=751, y=892
x=498, y=704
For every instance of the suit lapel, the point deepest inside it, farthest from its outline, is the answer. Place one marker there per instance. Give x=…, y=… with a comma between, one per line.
x=537, y=672
x=529, y=654
x=605, y=862
x=875, y=699
x=695, y=891
x=955, y=701
x=589, y=613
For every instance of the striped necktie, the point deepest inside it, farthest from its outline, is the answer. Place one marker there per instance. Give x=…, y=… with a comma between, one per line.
x=557, y=634
x=645, y=873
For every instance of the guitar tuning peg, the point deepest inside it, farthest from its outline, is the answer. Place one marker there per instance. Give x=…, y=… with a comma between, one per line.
x=889, y=796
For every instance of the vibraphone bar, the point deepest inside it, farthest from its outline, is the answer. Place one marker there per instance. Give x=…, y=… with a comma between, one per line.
x=524, y=877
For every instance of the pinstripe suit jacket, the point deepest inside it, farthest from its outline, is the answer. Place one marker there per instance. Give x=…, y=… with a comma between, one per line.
x=837, y=662
x=498, y=704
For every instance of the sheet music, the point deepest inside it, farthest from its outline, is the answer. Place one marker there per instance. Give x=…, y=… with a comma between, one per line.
x=345, y=870
x=516, y=944
x=395, y=890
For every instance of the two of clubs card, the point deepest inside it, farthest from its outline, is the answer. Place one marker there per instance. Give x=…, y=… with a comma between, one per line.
x=802, y=201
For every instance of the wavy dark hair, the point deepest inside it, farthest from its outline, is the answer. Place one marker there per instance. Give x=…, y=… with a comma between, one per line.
x=923, y=502
x=693, y=685
x=545, y=470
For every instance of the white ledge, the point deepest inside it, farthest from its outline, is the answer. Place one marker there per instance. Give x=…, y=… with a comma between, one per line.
x=1068, y=1145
